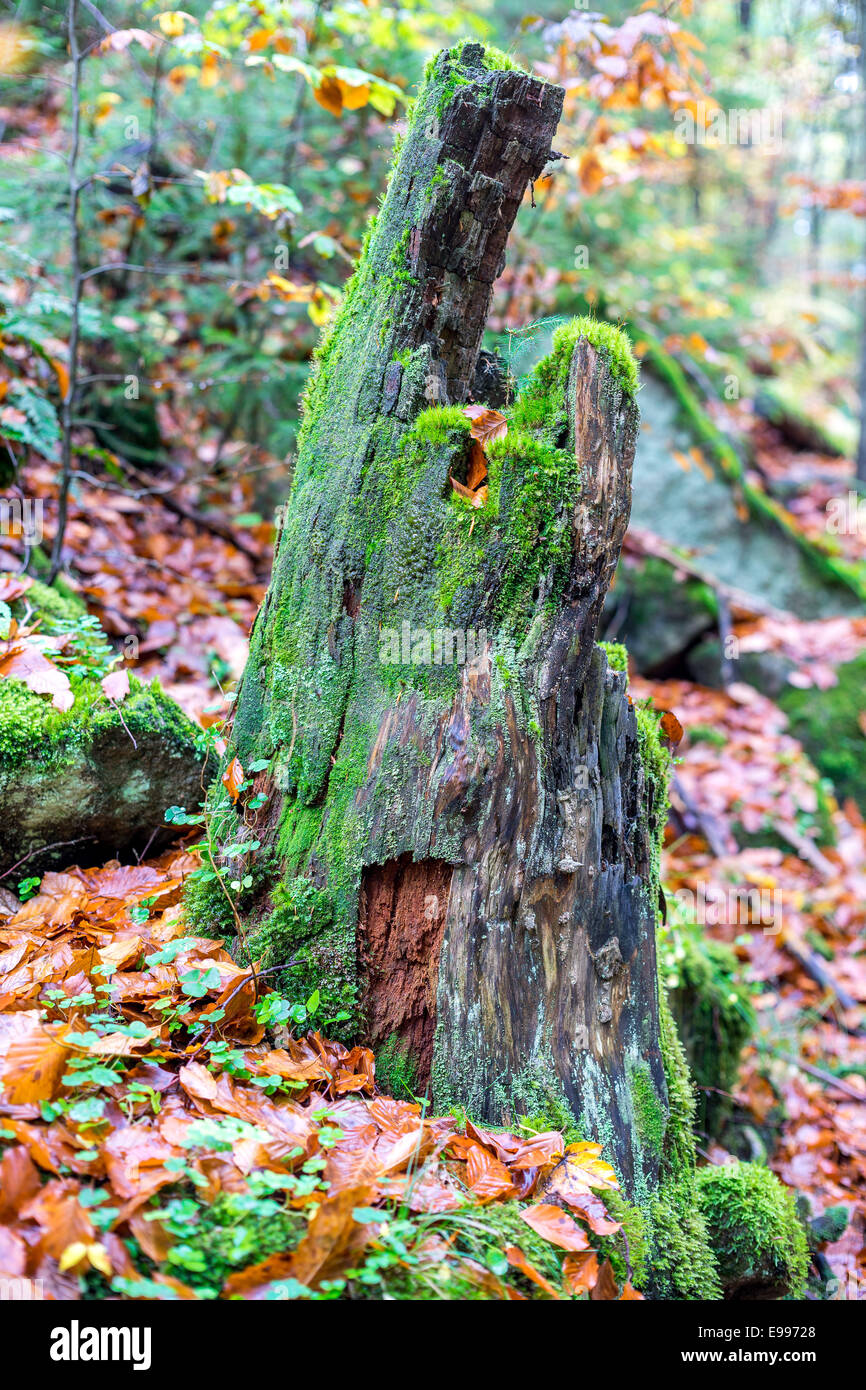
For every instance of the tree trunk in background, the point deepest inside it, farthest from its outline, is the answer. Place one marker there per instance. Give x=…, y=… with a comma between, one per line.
x=480, y=834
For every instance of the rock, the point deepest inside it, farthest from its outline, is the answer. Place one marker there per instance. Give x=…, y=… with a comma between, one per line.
x=831, y=725
x=698, y=514
x=662, y=616
x=755, y=1232
x=100, y=775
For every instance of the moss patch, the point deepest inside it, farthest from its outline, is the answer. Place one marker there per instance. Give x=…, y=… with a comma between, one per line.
x=713, y=1012
x=827, y=723
x=751, y=1217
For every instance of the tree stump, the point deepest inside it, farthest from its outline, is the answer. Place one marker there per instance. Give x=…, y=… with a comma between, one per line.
x=463, y=806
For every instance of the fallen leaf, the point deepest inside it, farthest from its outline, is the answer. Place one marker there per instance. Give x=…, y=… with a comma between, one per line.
x=554, y=1225
x=233, y=778
x=116, y=684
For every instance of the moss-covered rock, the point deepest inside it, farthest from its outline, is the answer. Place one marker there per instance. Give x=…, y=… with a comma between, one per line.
x=663, y=615
x=828, y=724
x=99, y=775
x=759, y=1243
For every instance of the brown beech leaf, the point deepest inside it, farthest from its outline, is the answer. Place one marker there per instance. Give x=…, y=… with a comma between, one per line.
x=27, y=664
x=591, y=1209
x=475, y=499
x=116, y=685
x=12, y=586
x=487, y=424
x=630, y=1294
x=477, y=467
x=486, y=1177
x=580, y=1272
x=556, y=1226
x=671, y=727
x=580, y=1170
x=334, y=1239
x=34, y=1061
x=605, y=1288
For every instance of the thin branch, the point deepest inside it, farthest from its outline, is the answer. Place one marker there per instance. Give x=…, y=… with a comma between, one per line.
x=66, y=417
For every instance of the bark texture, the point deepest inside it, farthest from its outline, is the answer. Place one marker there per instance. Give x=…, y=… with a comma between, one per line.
x=452, y=762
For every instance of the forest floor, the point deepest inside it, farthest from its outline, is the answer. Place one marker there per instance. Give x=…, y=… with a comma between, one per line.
x=144, y=1111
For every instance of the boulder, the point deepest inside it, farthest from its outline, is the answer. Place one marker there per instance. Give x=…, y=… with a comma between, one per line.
x=93, y=781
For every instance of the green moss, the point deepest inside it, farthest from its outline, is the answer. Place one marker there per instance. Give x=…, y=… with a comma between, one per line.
x=713, y=1012
x=207, y=910
x=751, y=1217
x=681, y=1262
x=49, y=602
x=613, y=343
x=628, y=1251
x=234, y=1232
x=479, y=1231
x=827, y=723
x=656, y=762
x=396, y=1069
x=649, y=1115
x=31, y=728
x=617, y=656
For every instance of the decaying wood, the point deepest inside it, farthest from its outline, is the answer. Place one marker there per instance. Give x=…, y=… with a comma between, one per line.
x=482, y=835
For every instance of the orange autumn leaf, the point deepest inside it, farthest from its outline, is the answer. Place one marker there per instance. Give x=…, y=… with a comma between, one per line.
x=555, y=1225
x=630, y=1294
x=582, y=1170
x=12, y=586
x=34, y=1061
x=671, y=727
x=486, y=1177
x=475, y=499
x=605, y=1289
x=233, y=778
x=518, y=1260
x=580, y=1272
x=116, y=684
x=589, y=1208
x=27, y=664
x=487, y=424
x=477, y=467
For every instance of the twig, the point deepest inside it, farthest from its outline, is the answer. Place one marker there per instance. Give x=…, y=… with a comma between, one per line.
x=43, y=849
x=701, y=821
x=827, y=1077
x=817, y=971
x=66, y=415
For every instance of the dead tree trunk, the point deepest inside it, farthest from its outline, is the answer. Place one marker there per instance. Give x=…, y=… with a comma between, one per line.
x=452, y=763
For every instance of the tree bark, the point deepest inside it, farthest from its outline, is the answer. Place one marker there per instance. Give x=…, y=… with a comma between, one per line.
x=452, y=763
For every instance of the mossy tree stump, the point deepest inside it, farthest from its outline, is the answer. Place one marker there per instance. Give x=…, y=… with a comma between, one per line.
x=456, y=777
